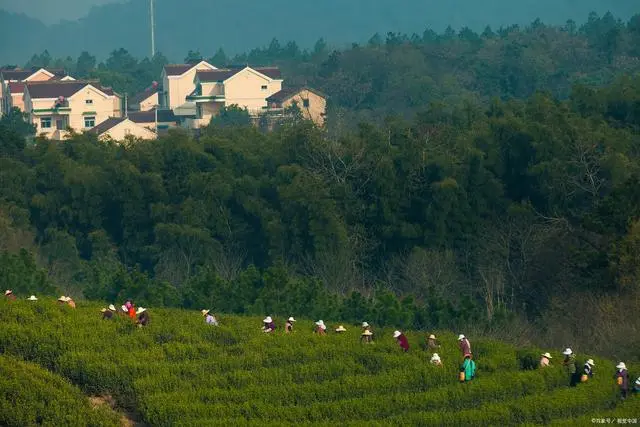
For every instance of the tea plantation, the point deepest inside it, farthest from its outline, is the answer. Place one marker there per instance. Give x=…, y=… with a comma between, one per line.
x=179, y=371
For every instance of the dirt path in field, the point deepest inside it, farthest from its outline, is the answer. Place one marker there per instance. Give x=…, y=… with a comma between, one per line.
x=126, y=419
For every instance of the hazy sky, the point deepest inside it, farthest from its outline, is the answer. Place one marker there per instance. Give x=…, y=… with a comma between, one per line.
x=51, y=11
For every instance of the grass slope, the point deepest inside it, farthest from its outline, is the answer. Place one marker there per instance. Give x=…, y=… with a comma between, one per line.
x=179, y=371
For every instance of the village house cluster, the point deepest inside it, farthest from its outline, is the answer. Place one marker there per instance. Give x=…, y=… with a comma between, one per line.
x=187, y=95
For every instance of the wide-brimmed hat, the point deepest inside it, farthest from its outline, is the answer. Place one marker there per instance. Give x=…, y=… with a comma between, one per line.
x=396, y=334
x=621, y=365
x=205, y=312
x=8, y=292
x=291, y=319
x=102, y=310
x=367, y=333
x=320, y=323
x=267, y=319
x=590, y=362
x=341, y=329
x=432, y=337
x=365, y=324
x=112, y=307
x=141, y=310
x=567, y=352
x=124, y=308
x=460, y=337
x=547, y=355
x=32, y=298
x=435, y=357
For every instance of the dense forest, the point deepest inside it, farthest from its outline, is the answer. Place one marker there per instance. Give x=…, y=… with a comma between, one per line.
x=489, y=182
x=205, y=25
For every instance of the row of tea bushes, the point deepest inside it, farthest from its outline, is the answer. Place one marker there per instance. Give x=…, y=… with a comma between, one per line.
x=31, y=396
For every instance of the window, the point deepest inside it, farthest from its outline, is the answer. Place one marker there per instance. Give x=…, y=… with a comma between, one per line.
x=264, y=87
x=88, y=101
x=89, y=121
x=305, y=103
x=45, y=123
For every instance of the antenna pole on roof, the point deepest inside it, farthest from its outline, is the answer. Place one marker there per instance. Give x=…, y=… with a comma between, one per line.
x=153, y=29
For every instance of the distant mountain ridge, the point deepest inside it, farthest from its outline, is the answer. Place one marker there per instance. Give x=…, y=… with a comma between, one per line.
x=204, y=25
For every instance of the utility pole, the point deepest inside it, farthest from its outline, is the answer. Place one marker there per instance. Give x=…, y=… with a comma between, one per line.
x=153, y=30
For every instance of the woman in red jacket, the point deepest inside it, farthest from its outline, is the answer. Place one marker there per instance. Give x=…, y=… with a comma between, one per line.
x=402, y=340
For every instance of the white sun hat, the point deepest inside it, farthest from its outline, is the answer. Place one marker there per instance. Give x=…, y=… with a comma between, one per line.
x=435, y=357
x=547, y=355
x=367, y=333
x=124, y=308
x=112, y=307
x=621, y=365
x=267, y=319
x=432, y=337
x=204, y=312
x=590, y=362
x=291, y=319
x=460, y=337
x=141, y=310
x=62, y=299
x=341, y=329
x=8, y=292
x=320, y=322
x=396, y=334
x=67, y=299
x=567, y=352
x=32, y=298
x=365, y=324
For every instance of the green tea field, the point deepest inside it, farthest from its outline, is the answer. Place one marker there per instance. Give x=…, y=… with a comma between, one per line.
x=56, y=362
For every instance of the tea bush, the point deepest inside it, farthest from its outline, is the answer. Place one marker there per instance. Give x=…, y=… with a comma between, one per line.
x=179, y=371
x=30, y=396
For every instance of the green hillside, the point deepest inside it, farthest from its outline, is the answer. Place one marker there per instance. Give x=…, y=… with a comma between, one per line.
x=179, y=371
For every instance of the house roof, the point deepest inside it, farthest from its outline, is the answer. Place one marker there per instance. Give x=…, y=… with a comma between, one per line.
x=215, y=75
x=16, y=87
x=150, y=91
x=177, y=69
x=220, y=75
x=15, y=74
x=164, y=116
x=22, y=74
x=271, y=72
x=108, y=124
x=290, y=92
x=56, y=88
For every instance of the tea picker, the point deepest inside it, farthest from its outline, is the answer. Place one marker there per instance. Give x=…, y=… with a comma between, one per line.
x=268, y=325
x=209, y=318
x=622, y=379
x=288, y=326
x=402, y=340
x=468, y=369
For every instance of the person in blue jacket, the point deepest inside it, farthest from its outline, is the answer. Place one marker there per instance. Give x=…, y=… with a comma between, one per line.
x=468, y=367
